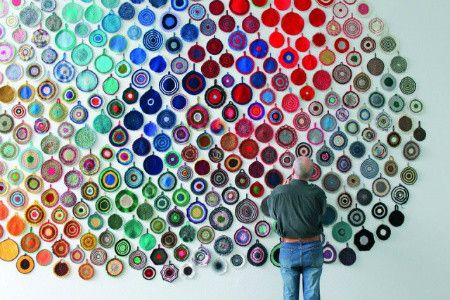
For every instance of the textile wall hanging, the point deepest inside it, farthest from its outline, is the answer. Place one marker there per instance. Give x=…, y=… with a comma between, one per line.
x=146, y=135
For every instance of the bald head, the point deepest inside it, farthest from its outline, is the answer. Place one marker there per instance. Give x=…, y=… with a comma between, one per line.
x=303, y=167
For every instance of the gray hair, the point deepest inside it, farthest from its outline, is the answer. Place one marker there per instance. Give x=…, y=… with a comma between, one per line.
x=303, y=167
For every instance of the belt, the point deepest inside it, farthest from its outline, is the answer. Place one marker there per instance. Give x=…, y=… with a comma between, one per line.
x=300, y=240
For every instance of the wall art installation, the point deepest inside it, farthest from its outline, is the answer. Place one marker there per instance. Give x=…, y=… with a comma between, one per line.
x=146, y=134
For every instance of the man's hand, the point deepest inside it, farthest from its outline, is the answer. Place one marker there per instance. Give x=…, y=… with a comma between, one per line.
x=289, y=178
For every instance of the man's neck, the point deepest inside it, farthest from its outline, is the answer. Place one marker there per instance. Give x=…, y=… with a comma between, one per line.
x=299, y=178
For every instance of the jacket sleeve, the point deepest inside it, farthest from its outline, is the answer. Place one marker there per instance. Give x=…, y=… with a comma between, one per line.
x=271, y=203
x=322, y=197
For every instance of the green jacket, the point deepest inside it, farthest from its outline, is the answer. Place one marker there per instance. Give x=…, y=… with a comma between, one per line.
x=298, y=208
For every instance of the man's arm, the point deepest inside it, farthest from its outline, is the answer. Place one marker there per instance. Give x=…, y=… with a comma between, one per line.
x=322, y=197
x=271, y=199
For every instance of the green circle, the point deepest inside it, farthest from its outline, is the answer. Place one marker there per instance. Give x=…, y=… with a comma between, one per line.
x=111, y=86
x=175, y=216
x=110, y=4
x=144, y=211
x=93, y=14
x=87, y=80
x=99, y=219
x=342, y=232
x=173, y=152
x=85, y=137
x=9, y=150
x=133, y=228
x=123, y=69
x=72, y=12
x=103, y=205
x=82, y=55
x=82, y=29
x=408, y=85
x=187, y=233
x=162, y=203
x=205, y=234
x=416, y=106
x=102, y=123
x=122, y=247
x=66, y=90
x=110, y=106
x=104, y=63
x=115, y=221
x=181, y=197
x=109, y=171
x=147, y=241
x=126, y=193
x=149, y=189
x=158, y=225
x=399, y=64
x=106, y=239
x=53, y=22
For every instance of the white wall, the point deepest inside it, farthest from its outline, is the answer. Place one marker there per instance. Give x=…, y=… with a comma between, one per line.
x=413, y=264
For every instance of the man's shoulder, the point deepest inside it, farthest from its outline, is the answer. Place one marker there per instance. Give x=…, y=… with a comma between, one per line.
x=281, y=189
x=288, y=188
x=316, y=189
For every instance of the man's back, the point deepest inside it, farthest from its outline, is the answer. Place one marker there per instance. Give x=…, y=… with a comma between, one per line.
x=298, y=208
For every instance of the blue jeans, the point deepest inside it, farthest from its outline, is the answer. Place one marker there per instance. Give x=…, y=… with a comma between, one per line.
x=305, y=259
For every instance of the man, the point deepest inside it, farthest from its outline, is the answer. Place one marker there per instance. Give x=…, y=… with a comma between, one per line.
x=298, y=207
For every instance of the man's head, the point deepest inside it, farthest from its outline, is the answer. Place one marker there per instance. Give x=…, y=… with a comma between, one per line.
x=303, y=168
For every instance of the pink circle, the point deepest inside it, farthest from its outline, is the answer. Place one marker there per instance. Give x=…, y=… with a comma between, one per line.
x=363, y=9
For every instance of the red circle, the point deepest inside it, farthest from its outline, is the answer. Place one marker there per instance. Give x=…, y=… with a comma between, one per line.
x=322, y=80
x=302, y=5
x=242, y=93
x=298, y=76
x=282, y=4
x=259, y=187
x=260, y=3
x=307, y=93
x=292, y=23
x=309, y=62
x=216, y=7
x=276, y=39
x=270, y=17
x=239, y=7
x=226, y=60
x=319, y=39
x=317, y=17
x=341, y=45
x=302, y=44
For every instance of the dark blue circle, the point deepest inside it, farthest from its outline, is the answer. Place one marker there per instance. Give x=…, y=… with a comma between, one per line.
x=162, y=142
x=259, y=48
x=270, y=65
x=158, y=3
x=141, y=146
x=166, y=119
x=258, y=80
x=189, y=32
x=150, y=102
x=126, y=11
x=133, y=120
x=179, y=102
x=153, y=165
